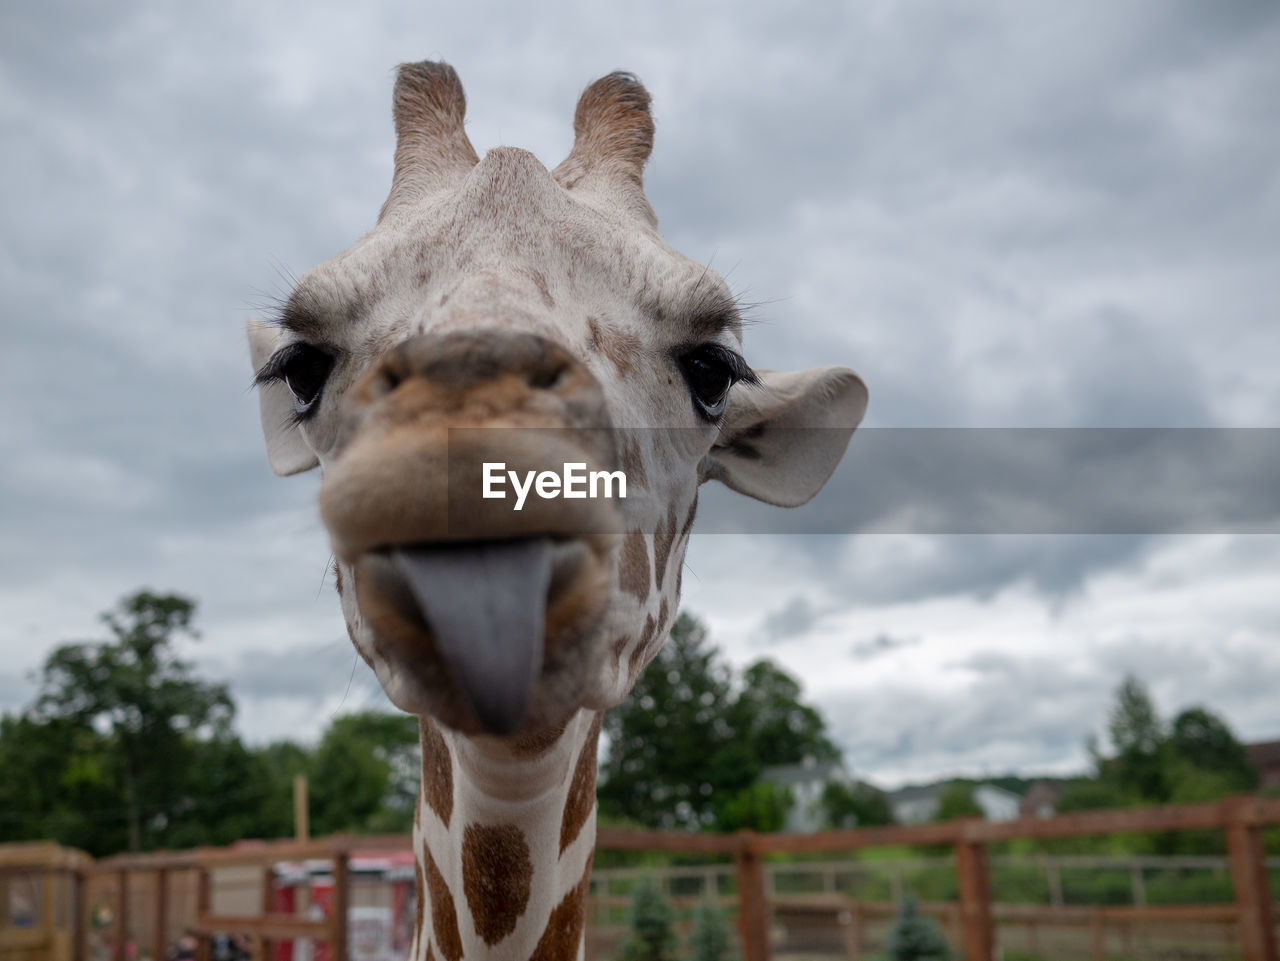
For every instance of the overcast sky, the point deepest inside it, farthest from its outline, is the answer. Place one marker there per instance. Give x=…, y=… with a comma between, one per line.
x=1010, y=215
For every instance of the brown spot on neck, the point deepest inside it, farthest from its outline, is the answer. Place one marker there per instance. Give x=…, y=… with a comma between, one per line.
x=687, y=526
x=563, y=935
x=633, y=566
x=637, y=659
x=582, y=788
x=662, y=540
x=683, y=539
x=444, y=917
x=437, y=770
x=632, y=465
x=496, y=875
x=420, y=889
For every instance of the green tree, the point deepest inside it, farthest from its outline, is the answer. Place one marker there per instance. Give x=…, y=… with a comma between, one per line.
x=767, y=714
x=856, y=805
x=1090, y=794
x=1138, y=736
x=709, y=938
x=757, y=807
x=957, y=801
x=1203, y=742
x=58, y=780
x=138, y=691
x=688, y=744
x=665, y=739
x=652, y=937
x=915, y=938
x=364, y=774
x=280, y=762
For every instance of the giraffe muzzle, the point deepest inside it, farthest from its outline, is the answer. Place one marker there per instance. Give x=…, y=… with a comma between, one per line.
x=482, y=614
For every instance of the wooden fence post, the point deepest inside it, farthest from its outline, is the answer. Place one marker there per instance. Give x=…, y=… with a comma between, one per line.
x=341, y=901
x=160, y=932
x=204, y=902
x=48, y=901
x=975, y=899
x=80, y=922
x=121, y=928
x=1249, y=878
x=266, y=945
x=753, y=907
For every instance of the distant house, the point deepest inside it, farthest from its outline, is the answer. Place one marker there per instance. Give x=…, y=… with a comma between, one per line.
x=1265, y=756
x=805, y=781
x=916, y=805
x=1042, y=797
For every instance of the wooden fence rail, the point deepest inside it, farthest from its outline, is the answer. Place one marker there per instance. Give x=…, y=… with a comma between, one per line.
x=1240, y=818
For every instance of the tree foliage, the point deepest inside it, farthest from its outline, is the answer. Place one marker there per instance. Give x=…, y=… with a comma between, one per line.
x=1195, y=758
x=1203, y=746
x=914, y=937
x=136, y=691
x=652, y=937
x=1138, y=736
x=709, y=937
x=957, y=801
x=761, y=806
x=126, y=747
x=687, y=745
x=856, y=805
x=365, y=774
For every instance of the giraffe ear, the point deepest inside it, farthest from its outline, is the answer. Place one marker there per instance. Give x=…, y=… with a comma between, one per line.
x=783, y=439
x=287, y=450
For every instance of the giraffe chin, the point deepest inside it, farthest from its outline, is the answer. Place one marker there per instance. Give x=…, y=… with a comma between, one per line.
x=487, y=637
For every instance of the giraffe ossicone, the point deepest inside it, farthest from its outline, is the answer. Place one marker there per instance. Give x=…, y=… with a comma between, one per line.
x=501, y=312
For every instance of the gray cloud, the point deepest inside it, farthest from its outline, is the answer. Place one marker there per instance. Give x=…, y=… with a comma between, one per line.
x=880, y=644
x=1002, y=217
x=15, y=693
x=309, y=672
x=791, y=620
x=1034, y=481
x=1014, y=713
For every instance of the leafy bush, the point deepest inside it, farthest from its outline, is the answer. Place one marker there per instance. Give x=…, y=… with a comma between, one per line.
x=915, y=938
x=709, y=940
x=652, y=938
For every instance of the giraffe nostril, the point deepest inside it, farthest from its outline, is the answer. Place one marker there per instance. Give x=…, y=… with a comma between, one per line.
x=384, y=383
x=548, y=378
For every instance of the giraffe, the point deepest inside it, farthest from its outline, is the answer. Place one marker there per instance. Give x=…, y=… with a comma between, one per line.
x=515, y=314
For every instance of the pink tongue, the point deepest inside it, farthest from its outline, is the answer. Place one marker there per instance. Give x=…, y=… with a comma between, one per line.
x=485, y=602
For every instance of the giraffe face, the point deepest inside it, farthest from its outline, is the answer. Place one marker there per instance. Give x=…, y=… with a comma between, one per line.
x=543, y=310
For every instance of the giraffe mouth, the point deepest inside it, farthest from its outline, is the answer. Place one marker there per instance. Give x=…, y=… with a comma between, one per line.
x=484, y=606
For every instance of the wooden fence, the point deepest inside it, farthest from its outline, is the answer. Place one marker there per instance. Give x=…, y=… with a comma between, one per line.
x=1241, y=818
x=972, y=916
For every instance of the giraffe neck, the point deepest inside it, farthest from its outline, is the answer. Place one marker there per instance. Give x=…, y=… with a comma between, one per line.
x=503, y=840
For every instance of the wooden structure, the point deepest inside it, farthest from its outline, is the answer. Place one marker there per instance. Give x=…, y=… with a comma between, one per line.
x=41, y=899
x=1242, y=818
x=57, y=932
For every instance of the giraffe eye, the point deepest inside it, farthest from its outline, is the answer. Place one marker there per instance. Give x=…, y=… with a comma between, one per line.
x=710, y=370
x=304, y=368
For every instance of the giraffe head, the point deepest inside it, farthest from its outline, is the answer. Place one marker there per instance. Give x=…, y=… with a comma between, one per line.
x=541, y=311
